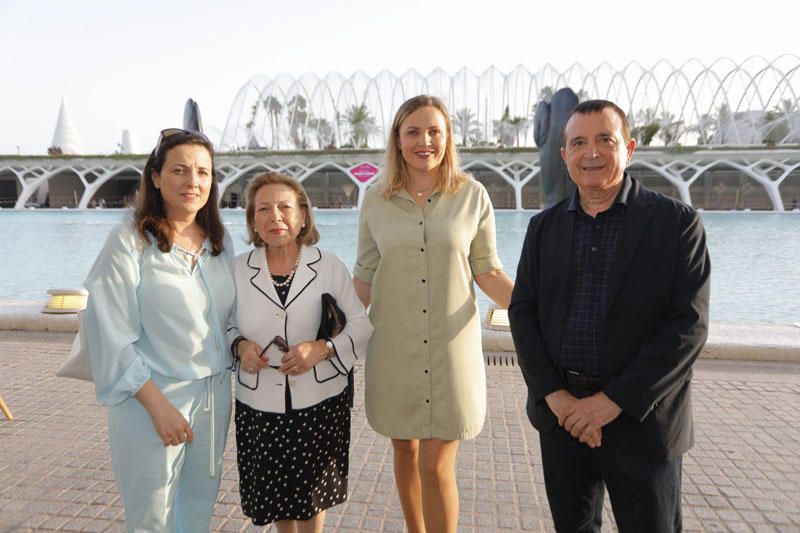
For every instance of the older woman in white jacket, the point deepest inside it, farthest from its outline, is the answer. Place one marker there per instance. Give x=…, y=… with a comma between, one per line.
x=292, y=398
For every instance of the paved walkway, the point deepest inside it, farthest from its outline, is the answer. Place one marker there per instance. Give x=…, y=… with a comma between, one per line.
x=742, y=475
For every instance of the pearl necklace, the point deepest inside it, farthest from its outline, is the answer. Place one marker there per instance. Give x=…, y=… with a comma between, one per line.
x=288, y=280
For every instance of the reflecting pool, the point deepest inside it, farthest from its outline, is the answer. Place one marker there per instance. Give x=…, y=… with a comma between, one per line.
x=755, y=256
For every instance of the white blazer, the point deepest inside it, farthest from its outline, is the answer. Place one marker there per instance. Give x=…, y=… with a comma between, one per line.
x=259, y=316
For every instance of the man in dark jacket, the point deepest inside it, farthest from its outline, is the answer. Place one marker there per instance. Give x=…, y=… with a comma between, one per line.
x=608, y=314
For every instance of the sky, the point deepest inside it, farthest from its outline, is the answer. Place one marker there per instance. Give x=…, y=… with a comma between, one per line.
x=133, y=64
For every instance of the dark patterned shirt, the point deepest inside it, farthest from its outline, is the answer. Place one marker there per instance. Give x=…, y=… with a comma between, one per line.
x=594, y=243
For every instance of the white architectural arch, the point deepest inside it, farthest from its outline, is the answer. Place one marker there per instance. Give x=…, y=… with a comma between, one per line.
x=772, y=173
x=723, y=103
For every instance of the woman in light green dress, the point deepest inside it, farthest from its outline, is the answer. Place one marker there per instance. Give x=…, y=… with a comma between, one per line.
x=426, y=232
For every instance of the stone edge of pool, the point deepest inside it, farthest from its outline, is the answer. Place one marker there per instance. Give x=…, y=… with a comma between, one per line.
x=726, y=340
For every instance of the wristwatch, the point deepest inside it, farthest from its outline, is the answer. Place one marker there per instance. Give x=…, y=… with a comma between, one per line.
x=331, y=349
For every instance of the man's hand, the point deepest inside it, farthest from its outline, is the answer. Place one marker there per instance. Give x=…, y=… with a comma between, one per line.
x=561, y=403
x=558, y=402
x=584, y=418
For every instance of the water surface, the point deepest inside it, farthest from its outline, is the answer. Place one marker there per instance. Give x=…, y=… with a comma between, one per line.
x=755, y=256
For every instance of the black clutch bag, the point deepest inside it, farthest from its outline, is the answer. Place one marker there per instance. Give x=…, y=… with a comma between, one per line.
x=331, y=324
x=333, y=319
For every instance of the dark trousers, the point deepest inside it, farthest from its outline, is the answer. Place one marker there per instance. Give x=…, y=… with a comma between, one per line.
x=645, y=495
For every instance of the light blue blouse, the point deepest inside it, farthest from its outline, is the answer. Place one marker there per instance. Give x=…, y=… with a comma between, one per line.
x=150, y=311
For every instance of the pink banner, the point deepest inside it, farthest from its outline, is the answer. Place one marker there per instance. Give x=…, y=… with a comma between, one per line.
x=364, y=172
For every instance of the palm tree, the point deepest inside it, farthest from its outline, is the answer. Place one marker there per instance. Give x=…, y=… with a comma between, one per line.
x=362, y=125
x=274, y=108
x=323, y=132
x=503, y=128
x=296, y=111
x=647, y=127
x=519, y=125
x=705, y=128
x=775, y=126
x=508, y=128
x=671, y=129
x=252, y=122
x=466, y=125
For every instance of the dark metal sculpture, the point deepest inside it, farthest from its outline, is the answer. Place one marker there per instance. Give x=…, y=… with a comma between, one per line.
x=548, y=133
x=191, y=117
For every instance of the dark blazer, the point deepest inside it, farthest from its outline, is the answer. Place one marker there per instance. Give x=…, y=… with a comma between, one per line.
x=654, y=327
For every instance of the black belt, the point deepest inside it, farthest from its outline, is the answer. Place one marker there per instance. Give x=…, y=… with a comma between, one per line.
x=581, y=380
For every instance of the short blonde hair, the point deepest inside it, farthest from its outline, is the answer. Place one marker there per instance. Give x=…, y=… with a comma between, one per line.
x=395, y=171
x=308, y=235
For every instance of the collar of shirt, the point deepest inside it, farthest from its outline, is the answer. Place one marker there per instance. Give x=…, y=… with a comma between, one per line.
x=621, y=199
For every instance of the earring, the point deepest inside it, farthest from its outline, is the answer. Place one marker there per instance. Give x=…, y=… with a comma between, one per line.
x=304, y=225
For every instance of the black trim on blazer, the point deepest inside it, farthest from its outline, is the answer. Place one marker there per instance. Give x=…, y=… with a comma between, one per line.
x=336, y=375
x=317, y=260
x=258, y=271
x=353, y=348
x=341, y=363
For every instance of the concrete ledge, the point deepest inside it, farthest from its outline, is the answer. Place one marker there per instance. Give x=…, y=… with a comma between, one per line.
x=741, y=341
x=747, y=341
x=28, y=316
x=744, y=341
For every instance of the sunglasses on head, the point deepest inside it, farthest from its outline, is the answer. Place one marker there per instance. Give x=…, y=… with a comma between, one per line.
x=169, y=132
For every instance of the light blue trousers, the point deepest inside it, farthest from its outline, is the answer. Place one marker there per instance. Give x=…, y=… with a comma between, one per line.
x=171, y=489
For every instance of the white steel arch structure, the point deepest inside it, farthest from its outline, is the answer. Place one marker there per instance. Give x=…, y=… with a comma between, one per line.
x=709, y=178
x=724, y=103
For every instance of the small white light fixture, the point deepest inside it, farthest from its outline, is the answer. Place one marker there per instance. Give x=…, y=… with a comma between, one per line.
x=497, y=318
x=66, y=300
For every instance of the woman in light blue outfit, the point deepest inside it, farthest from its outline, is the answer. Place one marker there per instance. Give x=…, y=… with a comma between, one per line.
x=160, y=293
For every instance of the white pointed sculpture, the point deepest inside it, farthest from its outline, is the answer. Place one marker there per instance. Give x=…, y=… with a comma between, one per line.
x=65, y=138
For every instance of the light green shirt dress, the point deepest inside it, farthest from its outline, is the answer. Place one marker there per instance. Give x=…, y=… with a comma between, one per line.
x=425, y=375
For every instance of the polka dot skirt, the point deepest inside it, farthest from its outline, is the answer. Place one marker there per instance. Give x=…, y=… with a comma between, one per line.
x=292, y=466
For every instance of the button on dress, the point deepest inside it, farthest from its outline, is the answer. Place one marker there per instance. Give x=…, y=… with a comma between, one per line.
x=424, y=371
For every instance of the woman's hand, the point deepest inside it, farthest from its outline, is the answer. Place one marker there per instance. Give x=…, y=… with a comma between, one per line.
x=302, y=357
x=171, y=425
x=168, y=422
x=250, y=357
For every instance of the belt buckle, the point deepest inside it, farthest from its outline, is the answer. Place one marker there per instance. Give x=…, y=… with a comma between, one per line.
x=579, y=379
x=574, y=377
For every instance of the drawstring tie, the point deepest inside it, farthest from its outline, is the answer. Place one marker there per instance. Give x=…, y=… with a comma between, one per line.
x=220, y=342
x=209, y=408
